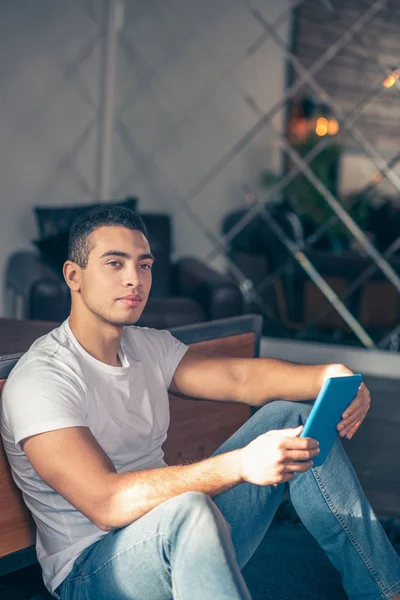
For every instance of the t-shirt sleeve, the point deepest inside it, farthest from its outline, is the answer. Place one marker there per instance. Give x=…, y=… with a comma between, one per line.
x=40, y=398
x=172, y=352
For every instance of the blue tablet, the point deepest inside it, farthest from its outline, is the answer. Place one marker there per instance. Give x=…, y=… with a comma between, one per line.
x=335, y=396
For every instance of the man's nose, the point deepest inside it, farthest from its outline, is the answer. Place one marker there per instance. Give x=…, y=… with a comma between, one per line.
x=133, y=277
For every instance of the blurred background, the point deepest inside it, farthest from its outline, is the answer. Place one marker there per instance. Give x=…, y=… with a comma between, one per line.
x=259, y=140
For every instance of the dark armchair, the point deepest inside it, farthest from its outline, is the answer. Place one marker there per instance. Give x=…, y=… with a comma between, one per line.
x=293, y=299
x=184, y=292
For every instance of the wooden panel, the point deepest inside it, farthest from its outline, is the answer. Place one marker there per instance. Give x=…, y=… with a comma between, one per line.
x=197, y=427
x=240, y=346
x=16, y=525
x=17, y=335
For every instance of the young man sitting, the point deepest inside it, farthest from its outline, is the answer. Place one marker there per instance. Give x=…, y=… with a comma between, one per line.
x=84, y=416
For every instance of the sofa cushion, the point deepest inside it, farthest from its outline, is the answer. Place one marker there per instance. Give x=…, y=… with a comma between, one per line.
x=52, y=220
x=54, y=250
x=159, y=235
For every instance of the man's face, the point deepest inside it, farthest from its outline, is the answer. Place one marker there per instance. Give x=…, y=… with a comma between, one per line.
x=116, y=282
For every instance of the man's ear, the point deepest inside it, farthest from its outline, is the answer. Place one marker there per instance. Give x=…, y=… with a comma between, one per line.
x=72, y=273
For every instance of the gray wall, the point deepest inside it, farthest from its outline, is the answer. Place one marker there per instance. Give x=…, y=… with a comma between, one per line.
x=49, y=74
x=192, y=78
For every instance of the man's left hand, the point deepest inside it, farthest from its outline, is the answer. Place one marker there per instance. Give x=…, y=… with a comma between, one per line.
x=355, y=413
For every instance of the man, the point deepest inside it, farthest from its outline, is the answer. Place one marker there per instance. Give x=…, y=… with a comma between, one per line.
x=84, y=416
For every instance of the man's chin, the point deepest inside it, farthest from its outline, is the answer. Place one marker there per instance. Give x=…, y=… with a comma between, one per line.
x=118, y=320
x=126, y=321
x=128, y=317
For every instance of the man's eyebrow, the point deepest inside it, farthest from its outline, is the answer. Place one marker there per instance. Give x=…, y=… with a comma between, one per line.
x=116, y=253
x=147, y=255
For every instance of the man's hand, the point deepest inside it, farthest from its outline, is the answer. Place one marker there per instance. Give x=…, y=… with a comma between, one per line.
x=355, y=413
x=275, y=456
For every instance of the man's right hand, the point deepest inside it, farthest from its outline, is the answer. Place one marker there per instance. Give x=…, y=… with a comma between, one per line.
x=275, y=456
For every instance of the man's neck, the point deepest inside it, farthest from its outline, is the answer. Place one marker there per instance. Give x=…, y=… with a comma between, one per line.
x=100, y=340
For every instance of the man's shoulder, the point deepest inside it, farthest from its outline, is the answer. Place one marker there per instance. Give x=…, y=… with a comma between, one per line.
x=48, y=344
x=50, y=358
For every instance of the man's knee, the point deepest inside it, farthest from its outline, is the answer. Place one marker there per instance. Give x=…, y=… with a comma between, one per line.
x=194, y=502
x=282, y=414
x=198, y=509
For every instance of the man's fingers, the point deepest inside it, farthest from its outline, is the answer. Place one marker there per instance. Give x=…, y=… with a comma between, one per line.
x=353, y=430
x=353, y=408
x=302, y=454
x=345, y=426
x=363, y=399
x=298, y=467
x=353, y=417
x=299, y=443
x=350, y=431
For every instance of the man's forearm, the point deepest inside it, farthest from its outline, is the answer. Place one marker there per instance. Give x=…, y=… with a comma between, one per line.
x=269, y=379
x=133, y=494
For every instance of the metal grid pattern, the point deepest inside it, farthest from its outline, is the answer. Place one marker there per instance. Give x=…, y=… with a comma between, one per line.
x=72, y=79
x=304, y=78
x=50, y=118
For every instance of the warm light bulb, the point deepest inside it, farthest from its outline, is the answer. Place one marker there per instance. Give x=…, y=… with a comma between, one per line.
x=321, y=128
x=391, y=79
x=333, y=126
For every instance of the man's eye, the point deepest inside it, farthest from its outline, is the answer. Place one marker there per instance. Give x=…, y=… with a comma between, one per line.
x=146, y=267
x=115, y=263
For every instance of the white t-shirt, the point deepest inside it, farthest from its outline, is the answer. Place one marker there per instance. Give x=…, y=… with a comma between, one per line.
x=57, y=384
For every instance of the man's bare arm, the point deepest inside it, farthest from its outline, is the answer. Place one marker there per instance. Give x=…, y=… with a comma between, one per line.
x=256, y=381
x=73, y=463
x=253, y=381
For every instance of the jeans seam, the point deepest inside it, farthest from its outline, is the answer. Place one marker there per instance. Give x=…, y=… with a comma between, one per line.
x=349, y=533
x=388, y=593
x=85, y=577
x=176, y=595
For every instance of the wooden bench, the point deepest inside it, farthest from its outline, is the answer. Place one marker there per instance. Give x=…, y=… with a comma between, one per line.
x=197, y=429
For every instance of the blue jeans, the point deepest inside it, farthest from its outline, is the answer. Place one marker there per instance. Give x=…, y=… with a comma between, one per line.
x=194, y=547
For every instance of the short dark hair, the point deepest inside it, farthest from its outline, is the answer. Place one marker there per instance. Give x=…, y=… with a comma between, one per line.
x=101, y=216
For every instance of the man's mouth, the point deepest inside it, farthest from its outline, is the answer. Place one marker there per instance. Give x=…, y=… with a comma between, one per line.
x=131, y=300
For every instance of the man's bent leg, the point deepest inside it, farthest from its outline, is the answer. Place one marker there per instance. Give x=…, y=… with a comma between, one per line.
x=330, y=503
x=181, y=549
x=248, y=508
